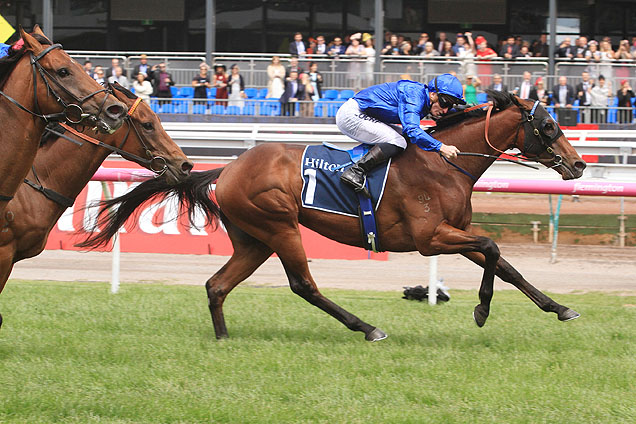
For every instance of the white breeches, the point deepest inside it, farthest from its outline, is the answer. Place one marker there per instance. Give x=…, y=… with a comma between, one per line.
x=363, y=128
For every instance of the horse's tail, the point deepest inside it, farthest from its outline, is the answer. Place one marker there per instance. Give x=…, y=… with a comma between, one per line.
x=193, y=194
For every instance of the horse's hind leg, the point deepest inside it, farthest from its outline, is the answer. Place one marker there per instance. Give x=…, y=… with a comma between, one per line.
x=510, y=275
x=248, y=255
x=292, y=255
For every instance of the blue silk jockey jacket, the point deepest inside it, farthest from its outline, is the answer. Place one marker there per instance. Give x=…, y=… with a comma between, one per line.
x=406, y=102
x=4, y=49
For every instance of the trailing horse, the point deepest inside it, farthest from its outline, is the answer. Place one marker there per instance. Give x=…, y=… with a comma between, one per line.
x=426, y=207
x=62, y=169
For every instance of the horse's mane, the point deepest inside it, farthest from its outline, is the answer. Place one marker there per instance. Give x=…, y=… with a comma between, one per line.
x=501, y=101
x=126, y=92
x=8, y=62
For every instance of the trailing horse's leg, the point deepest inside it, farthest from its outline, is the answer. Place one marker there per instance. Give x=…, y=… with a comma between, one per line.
x=248, y=255
x=6, y=265
x=292, y=255
x=510, y=275
x=448, y=239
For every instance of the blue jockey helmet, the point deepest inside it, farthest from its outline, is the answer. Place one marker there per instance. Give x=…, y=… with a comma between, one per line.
x=449, y=88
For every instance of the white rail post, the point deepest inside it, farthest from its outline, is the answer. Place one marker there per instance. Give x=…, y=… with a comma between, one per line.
x=432, y=280
x=115, y=267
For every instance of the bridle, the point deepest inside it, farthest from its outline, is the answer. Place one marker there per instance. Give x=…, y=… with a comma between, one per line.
x=536, y=141
x=150, y=162
x=72, y=111
x=68, y=202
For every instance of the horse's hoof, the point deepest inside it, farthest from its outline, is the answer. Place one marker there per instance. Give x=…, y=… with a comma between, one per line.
x=480, y=316
x=376, y=335
x=568, y=315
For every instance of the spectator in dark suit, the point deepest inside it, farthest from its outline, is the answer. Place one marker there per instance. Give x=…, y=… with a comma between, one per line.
x=565, y=49
x=143, y=66
x=509, y=50
x=161, y=81
x=294, y=90
x=336, y=48
x=563, y=94
x=540, y=47
x=584, y=96
x=293, y=67
x=114, y=64
x=497, y=84
x=297, y=47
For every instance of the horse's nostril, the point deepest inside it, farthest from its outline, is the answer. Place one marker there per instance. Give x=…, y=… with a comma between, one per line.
x=115, y=111
x=580, y=165
x=187, y=166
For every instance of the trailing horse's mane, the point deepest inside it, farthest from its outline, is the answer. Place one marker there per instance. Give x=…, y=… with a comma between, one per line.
x=8, y=62
x=126, y=92
x=501, y=101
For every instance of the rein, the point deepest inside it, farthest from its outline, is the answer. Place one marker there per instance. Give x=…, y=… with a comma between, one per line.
x=528, y=118
x=67, y=201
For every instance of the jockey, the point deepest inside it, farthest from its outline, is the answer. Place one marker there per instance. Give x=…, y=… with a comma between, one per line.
x=4, y=49
x=369, y=115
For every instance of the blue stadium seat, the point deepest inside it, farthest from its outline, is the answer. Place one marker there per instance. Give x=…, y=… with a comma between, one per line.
x=330, y=94
x=251, y=93
x=199, y=109
x=174, y=90
x=333, y=108
x=482, y=98
x=154, y=104
x=217, y=110
x=167, y=108
x=611, y=113
x=186, y=92
x=249, y=109
x=211, y=92
x=346, y=94
x=233, y=110
x=262, y=93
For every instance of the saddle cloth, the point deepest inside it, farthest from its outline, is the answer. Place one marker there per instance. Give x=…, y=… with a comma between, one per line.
x=321, y=169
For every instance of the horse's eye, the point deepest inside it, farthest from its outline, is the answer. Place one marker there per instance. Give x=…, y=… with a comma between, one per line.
x=63, y=72
x=148, y=126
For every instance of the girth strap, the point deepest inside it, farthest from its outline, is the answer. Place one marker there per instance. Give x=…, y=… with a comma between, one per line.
x=52, y=195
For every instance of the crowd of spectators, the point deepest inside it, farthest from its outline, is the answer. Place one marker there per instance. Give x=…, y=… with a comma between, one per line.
x=295, y=87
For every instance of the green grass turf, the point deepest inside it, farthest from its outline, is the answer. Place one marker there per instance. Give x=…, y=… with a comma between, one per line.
x=73, y=353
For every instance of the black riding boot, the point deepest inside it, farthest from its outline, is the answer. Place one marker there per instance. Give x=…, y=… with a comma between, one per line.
x=356, y=175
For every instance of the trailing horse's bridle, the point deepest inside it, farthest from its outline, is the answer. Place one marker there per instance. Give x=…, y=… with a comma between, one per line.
x=68, y=202
x=150, y=162
x=72, y=112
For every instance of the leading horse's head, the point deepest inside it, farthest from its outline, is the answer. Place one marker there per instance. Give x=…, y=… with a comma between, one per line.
x=544, y=141
x=148, y=141
x=60, y=80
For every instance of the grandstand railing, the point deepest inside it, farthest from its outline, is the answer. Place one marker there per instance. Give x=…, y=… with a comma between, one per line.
x=345, y=72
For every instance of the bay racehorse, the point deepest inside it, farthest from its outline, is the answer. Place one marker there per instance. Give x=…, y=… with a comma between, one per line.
x=40, y=83
x=62, y=169
x=426, y=207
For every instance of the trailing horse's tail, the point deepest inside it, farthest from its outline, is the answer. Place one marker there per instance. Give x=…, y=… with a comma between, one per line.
x=193, y=193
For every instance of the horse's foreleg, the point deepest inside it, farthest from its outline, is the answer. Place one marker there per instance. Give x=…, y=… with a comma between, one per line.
x=510, y=275
x=6, y=265
x=448, y=239
x=248, y=255
x=292, y=255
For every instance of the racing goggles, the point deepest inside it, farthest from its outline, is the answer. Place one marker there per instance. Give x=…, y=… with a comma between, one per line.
x=447, y=101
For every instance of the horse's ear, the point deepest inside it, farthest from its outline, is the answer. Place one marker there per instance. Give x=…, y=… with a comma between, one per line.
x=30, y=43
x=38, y=30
